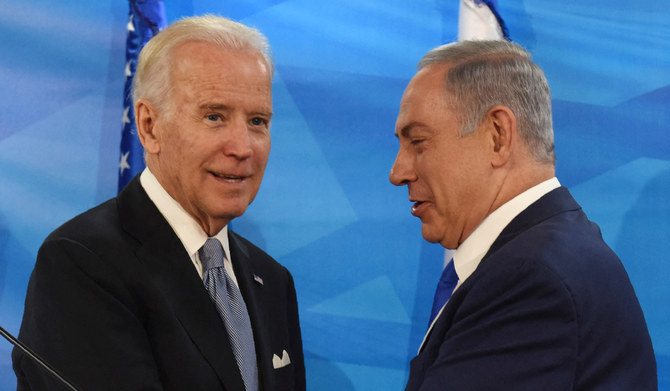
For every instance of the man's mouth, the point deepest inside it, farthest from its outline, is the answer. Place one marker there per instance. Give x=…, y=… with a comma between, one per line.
x=416, y=208
x=229, y=178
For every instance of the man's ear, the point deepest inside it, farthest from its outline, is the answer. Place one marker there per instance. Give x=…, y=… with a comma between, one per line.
x=503, y=134
x=146, y=116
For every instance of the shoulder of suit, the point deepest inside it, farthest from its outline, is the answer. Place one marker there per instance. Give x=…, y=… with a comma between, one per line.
x=88, y=222
x=565, y=247
x=97, y=228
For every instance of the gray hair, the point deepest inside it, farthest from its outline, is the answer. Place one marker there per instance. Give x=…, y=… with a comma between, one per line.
x=151, y=79
x=489, y=73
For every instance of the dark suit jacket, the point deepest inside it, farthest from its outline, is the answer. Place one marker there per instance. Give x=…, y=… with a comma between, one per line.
x=115, y=303
x=550, y=307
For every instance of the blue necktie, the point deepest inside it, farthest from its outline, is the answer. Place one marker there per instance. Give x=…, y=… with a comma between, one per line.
x=445, y=287
x=230, y=305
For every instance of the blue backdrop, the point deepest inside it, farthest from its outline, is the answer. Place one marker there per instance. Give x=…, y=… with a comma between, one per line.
x=326, y=210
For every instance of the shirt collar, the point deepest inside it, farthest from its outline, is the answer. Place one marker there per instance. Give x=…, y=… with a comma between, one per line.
x=189, y=232
x=470, y=253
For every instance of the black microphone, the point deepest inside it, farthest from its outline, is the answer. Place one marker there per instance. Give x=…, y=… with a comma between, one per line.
x=33, y=356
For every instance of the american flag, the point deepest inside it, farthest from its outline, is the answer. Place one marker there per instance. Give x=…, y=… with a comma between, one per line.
x=145, y=19
x=258, y=279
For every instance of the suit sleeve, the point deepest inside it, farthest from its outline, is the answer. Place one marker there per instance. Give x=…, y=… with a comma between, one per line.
x=80, y=316
x=513, y=330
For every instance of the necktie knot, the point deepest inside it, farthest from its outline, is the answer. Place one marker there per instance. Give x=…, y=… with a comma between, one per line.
x=211, y=254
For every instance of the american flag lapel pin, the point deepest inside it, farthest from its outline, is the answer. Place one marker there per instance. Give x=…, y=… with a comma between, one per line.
x=258, y=279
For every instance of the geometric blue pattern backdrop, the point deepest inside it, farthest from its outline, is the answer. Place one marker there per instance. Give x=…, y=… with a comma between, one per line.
x=326, y=209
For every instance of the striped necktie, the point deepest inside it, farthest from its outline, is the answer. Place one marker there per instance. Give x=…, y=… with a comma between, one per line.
x=230, y=305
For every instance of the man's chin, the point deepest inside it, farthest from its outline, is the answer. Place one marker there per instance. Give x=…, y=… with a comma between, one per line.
x=228, y=208
x=214, y=219
x=430, y=235
x=230, y=214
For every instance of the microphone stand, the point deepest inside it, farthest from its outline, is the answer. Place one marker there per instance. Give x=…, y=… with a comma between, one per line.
x=33, y=356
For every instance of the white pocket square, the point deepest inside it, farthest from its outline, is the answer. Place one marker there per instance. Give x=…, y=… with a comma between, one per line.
x=280, y=362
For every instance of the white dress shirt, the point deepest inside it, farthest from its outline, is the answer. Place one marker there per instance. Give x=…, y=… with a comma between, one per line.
x=189, y=232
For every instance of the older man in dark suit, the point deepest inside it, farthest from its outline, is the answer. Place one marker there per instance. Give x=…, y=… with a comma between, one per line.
x=535, y=300
x=151, y=290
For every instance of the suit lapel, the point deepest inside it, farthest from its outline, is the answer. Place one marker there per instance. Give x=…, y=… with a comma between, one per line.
x=246, y=271
x=172, y=271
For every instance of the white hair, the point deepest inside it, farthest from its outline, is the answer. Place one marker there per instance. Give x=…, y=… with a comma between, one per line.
x=151, y=79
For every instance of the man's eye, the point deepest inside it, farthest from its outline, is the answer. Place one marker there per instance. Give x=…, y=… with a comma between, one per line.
x=213, y=117
x=257, y=121
x=416, y=141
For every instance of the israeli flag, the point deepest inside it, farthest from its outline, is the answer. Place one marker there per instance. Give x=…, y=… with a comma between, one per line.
x=479, y=20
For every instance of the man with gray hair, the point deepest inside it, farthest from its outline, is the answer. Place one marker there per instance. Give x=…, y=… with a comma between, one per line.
x=533, y=298
x=151, y=290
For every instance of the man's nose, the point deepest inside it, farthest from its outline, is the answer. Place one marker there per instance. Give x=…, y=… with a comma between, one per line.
x=401, y=171
x=238, y=141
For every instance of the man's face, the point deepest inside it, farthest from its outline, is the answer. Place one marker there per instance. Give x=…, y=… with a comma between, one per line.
x=214, y=135
x=446, y=175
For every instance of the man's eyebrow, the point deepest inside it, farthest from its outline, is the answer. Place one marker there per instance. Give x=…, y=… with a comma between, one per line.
x=214, y=106
x=268, y=113
x=222, y=107
x=407, y=129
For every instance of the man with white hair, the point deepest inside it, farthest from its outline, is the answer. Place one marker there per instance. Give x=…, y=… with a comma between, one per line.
x=151, y=290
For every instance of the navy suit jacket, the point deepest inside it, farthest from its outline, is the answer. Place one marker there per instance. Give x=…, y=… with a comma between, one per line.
x=115, y=303
x=550, y=307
